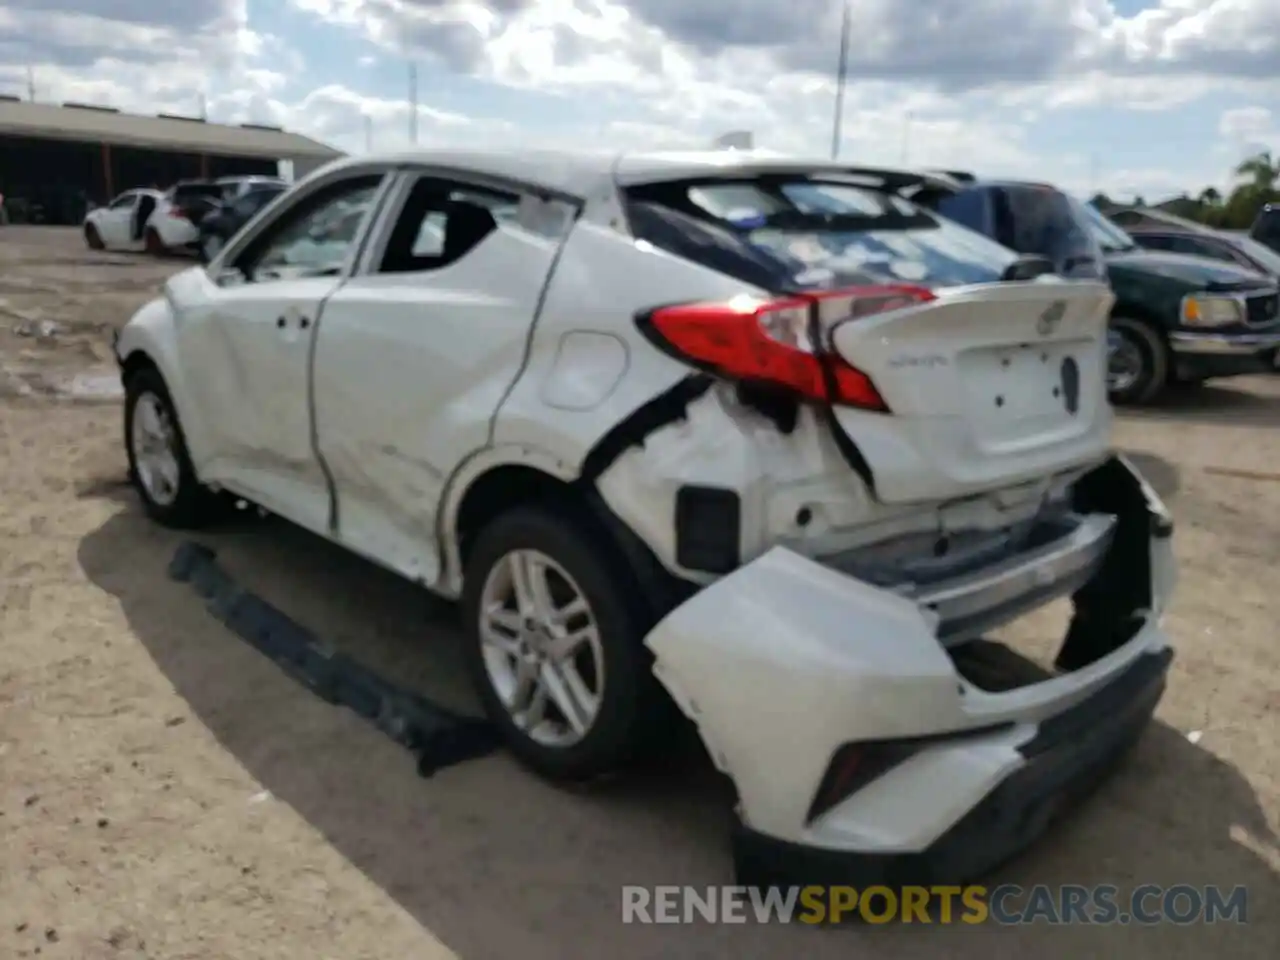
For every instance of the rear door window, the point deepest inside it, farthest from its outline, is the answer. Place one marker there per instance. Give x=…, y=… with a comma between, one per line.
x=797, y=232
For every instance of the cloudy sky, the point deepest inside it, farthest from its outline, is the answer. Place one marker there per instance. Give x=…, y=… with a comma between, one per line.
x=1146, y=96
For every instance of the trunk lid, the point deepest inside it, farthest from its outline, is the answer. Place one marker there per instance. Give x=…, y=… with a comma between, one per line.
x=195, y=201
x=988, y=385
x=991, y=383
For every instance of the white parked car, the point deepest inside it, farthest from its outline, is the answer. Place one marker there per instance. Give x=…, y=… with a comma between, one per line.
x=753, y=436
x=121, y=224
x=162, y=222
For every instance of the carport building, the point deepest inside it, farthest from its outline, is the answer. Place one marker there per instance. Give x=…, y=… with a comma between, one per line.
x=57, y=160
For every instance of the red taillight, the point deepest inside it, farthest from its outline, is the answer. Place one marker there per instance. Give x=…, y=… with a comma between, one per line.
x=769, y=341
x=178, y=213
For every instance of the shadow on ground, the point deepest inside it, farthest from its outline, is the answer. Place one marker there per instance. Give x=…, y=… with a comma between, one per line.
x=498, y=864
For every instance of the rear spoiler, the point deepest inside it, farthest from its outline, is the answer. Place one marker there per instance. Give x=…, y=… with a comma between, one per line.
x=902, y=181
x=960, y=176
x=886, y=179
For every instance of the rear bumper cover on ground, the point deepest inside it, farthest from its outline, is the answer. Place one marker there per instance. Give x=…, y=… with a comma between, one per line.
x=786, y=663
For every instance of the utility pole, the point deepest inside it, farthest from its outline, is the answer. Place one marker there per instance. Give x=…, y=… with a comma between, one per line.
x=202, y=106
x=842, y=74
x=31, y=84
x=413, y=102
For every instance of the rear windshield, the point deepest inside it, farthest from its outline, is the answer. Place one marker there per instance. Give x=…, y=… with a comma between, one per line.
x=795, y=232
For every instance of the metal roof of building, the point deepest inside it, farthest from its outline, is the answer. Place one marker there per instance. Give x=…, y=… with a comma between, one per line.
x=188, y=135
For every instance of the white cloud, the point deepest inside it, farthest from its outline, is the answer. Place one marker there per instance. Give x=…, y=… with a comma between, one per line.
x=1248, y=125
x=969, y=74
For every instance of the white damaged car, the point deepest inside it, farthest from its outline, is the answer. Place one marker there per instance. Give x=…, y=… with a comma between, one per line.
x=751, y=436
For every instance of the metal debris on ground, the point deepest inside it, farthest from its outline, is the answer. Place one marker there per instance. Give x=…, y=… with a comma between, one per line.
x=437, y=737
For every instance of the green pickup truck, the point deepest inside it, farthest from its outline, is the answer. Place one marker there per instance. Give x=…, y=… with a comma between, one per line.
x=1177, y=319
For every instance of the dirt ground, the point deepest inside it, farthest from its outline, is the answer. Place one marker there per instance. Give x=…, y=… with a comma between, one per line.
x=166, y=792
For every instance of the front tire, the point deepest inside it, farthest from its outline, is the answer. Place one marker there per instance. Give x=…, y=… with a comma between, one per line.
x=555, y=646
x=1138, y=362
x=159, y=464
x=92, y=238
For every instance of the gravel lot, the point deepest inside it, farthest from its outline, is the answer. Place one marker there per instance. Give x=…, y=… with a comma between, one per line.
x=166, y=792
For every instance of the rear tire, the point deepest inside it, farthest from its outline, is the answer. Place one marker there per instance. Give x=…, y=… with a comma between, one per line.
x=171, y=494
x=92, y=238
x=631, y=710
x=1139, y=367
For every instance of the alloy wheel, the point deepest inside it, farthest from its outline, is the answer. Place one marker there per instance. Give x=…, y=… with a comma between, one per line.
x=541, y=648
x=1125, y=363
x=155, y=449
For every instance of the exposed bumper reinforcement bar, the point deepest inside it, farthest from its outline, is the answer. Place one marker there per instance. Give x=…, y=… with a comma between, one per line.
x=969, y=606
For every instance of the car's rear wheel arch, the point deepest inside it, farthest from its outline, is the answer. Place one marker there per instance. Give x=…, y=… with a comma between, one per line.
x=507, y=487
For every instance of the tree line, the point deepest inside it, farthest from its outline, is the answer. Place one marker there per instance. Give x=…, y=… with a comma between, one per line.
x=1257, y=182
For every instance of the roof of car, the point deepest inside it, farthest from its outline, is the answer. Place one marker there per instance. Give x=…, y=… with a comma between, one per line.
x=579, y=172
x=1202, y=233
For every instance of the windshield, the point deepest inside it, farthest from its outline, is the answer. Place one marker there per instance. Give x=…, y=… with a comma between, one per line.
x=803, y=232
x=1111, y=238
x=1261, y=254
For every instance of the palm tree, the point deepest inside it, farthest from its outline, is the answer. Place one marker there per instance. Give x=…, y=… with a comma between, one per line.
x=1210, y=197
x=1261, y=169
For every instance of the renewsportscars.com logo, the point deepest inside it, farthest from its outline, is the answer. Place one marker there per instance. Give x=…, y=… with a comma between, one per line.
x=1009, y=904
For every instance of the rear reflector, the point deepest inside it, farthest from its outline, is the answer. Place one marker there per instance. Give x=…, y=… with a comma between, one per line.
x=770, y=341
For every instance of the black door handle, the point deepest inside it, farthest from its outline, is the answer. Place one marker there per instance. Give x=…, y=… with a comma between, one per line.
x=304, y=323
x=280, y=322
